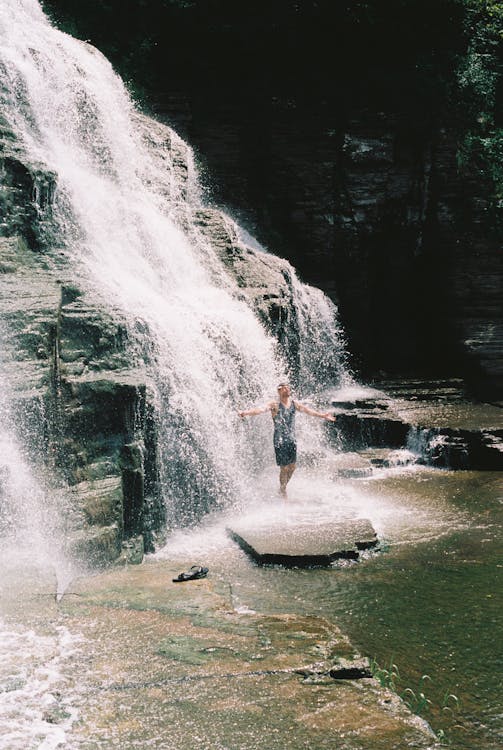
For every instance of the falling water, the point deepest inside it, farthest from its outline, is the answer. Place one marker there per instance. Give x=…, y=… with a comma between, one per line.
x=32, y=519
x=125, y=222
x=123, y=219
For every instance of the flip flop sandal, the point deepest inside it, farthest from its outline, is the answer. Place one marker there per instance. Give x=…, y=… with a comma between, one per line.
x=195, y=572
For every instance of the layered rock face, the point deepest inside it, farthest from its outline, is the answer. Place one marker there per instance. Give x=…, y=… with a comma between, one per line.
x=431, y=421
x=372, y=208
x=80, y=411
x=81, y=393
x=333, y=131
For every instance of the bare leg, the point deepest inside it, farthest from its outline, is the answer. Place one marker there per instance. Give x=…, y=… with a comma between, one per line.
x=285, y=474
x=283, y=480
x=292, y=469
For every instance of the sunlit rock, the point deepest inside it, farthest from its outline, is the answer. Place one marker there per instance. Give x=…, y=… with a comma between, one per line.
x=304, y=545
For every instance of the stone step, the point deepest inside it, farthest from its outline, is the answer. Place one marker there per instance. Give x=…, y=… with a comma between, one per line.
x=306, y=545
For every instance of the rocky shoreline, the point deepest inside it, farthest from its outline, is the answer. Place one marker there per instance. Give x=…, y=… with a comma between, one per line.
x=192, y=667
x=432, y=419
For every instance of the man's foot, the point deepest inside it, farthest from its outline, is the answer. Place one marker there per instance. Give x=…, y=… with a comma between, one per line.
x=282, y=493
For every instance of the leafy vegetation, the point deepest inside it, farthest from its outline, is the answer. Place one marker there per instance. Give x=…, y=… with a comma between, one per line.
x=416, y=700
x=480, y=82
x=387, y=677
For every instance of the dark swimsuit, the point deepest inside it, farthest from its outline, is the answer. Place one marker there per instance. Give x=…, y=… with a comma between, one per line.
x=285, y=445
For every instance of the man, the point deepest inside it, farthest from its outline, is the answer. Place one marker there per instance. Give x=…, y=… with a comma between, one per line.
x=283, y=415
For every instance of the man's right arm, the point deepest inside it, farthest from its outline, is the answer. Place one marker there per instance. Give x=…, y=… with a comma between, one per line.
x=256, y=410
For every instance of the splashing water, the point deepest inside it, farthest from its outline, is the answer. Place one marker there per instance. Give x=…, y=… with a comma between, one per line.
x=33, y=713
x=125, y=220
x=33, y=514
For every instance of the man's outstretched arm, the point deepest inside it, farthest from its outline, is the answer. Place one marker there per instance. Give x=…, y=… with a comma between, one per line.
x=307, y=410
x=256, y=410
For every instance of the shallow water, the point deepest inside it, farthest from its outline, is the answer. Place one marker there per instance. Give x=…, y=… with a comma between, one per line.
x=429, y=601
x=36, y=652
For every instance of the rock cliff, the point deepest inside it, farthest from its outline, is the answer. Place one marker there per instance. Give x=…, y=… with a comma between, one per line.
x=81, y=394
x=378, y=214
x=335, y=132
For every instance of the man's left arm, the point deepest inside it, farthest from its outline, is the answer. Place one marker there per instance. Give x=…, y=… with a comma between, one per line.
x=313, y=413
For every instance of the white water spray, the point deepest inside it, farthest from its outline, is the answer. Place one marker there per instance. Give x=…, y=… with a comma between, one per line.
x=124, y=217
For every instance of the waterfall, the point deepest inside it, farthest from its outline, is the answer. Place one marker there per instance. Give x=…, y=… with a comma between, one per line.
x=123, y=220
x=34, y=514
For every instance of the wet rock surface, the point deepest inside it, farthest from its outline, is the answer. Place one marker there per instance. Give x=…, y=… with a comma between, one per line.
x=77, y=401
x=79, y=387
x=306, y=545
x=263, y=280
x=189, y=666
x=432, y=419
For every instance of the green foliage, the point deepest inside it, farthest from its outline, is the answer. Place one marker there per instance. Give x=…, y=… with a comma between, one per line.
x=480, y=89
x=387, y=677
x=491, y=13
x=484, y=156
x=450, y=703
x=416, y=700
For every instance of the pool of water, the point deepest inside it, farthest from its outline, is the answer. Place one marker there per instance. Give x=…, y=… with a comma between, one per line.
x=429, y=602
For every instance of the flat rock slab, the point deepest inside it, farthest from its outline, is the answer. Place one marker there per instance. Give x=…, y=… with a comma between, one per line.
x=305, y=545
x=167, y=665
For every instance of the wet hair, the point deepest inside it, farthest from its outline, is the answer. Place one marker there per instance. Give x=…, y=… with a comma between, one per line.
x=281, y=385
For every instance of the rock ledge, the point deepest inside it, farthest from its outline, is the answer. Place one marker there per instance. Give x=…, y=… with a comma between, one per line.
x=306, y=545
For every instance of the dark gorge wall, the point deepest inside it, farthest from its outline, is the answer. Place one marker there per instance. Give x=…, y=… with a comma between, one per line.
x=352, y=139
